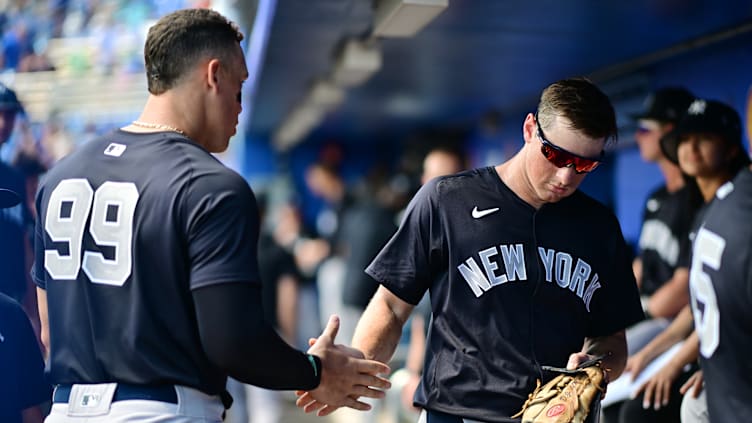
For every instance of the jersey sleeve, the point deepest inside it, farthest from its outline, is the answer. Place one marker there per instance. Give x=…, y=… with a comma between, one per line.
x=222, y=230
x=618, y=306
x=406, y=265
x=37, y=268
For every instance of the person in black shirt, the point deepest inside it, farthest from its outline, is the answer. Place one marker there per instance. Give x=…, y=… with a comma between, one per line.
x=707, y=145
x=146, y=261
x=721, y=290
x=522, y=268
x=15, y=221
x=22, y=386
x=667, y=217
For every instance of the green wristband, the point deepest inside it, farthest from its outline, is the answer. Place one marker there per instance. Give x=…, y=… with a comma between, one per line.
x=314, y=364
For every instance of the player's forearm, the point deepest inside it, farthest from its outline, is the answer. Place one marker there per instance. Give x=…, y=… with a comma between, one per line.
x=380, y=327
x=688, y=352
x=236, y=339
x=614, y=347
x=679, y=328
x=669, y=299
x=637, y=270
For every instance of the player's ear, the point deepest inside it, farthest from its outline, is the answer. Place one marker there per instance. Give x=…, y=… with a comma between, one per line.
x=212, y=73
x=529, y=128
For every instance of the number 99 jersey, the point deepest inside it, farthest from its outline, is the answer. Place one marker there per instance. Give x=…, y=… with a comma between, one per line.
x=720, y=283
x=128, y=225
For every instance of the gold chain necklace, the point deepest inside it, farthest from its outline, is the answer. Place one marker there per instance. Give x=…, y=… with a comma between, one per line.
x=157, y=126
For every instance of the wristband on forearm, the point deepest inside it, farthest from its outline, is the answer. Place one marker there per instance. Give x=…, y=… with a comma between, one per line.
x=317, y=367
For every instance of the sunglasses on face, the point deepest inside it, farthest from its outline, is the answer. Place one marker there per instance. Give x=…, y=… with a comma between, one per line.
x=646, y=126
x=560, y=157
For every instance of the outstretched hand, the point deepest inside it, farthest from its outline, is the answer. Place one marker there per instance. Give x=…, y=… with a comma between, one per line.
x=657, y=389
x=345, y=376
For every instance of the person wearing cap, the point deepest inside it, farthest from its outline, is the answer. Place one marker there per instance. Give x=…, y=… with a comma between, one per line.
x=14, y=221
x=707, y=145
x=721, y=299
x=667, y=216
x=666, y=219
x=22, y=383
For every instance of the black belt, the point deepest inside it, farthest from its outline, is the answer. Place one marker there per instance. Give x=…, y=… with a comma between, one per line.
x=124, y=391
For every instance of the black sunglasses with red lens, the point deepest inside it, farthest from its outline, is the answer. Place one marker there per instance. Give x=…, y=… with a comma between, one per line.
x=560, y=157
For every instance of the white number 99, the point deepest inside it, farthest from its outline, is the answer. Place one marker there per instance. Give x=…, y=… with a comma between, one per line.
x=70, y=203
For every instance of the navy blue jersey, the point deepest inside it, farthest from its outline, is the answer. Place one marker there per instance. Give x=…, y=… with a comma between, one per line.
x=685, y=258
x=128, y=225
x=664, y=236
x=22, y=384
x=512, y=288
x=721, y=296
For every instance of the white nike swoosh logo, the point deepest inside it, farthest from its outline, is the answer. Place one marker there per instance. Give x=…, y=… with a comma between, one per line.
x=480, y=213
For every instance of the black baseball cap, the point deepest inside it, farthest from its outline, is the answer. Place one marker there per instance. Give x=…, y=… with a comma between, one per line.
x=8, y=198
x=705, y=116
x=9, y=100
x=666, y=104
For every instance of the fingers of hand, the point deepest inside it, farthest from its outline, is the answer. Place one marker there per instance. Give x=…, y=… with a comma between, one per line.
x=327, y=410
x=647, y=393
x=365, y=391
x=657, y=393
x=575, y=360
x=665, y=395
x=331, y=329
x=372, y=367
x=374, y=381
x=303, y=399
x=697, y=389
x=313, y=406
x=358, y=405
x=685, y=387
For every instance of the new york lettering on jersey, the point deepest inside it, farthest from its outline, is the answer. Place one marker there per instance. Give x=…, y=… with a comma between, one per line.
x=506, y=263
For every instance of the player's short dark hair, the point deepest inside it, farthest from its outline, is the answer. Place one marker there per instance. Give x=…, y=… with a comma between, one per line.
x=582, y=103
x=180, y=39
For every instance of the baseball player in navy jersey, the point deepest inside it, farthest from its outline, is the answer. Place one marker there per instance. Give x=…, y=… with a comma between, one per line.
x=667, y=215
x=146, y=260
x=706, y=143
x=721, y=298
x=522, y=268
x=660, y=267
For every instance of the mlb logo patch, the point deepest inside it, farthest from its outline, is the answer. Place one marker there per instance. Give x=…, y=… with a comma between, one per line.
x=114, y=149
x=90, y=400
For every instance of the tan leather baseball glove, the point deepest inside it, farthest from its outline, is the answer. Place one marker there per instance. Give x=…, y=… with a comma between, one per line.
x=567, y=398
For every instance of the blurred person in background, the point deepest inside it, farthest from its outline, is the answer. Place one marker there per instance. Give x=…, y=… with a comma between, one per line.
x=16, y=222
x=707, y=146
x=439, y=161
x=667, y=217
x=23, y=387
x=280, y=280
x=325, y=254
x=661, y=273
